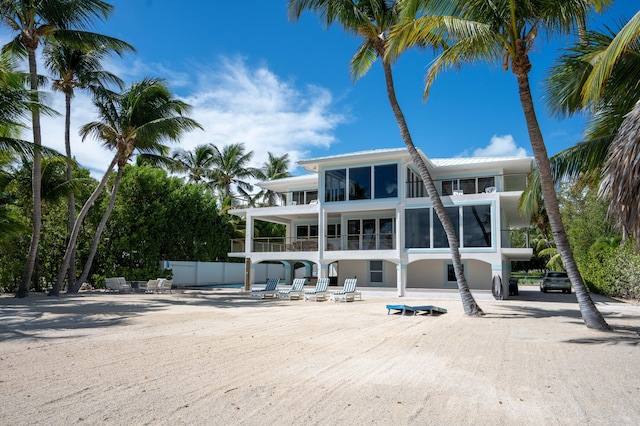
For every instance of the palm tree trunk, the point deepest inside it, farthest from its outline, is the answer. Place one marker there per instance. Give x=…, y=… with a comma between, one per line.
x=590, y=314
x=96, y=238
x=55, y=290
x=71, y=200
x=468, y=302
x=36, y=180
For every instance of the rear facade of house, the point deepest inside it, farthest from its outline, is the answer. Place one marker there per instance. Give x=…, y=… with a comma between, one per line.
x=367, y=215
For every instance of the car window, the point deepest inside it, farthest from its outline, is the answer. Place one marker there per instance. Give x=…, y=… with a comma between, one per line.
x=557, y=274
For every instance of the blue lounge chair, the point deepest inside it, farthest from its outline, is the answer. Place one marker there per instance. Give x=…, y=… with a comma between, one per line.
x=270, y=289
x=296, y=290
x=320, y=292
x=415, y=310
x=348, y=292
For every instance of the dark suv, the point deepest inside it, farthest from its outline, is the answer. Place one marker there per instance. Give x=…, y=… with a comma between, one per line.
x=555, y=281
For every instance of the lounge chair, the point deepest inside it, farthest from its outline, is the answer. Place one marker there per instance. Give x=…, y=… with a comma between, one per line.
x=150, y=286
x=320, y=292
x=270, y=289
x=296, y=290
x=348, y=292
x=164, y=285
x=118, y=284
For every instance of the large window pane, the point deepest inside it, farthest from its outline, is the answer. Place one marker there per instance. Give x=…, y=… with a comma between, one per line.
x=417, y=224
x=386, y=181
x=298, y=197
x=439, y=236
x=448, y=186
x=360, y=183
x=311, y=196
x=476, y=226
x=335, y=185
x=415, y=186
x=468, y=186
x=486, y=182
x=302, y=231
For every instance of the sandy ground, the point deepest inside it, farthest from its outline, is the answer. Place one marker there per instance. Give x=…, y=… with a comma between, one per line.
x=219, y=357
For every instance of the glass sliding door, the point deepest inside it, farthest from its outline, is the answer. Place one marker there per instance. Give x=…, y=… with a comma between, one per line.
x=353, y=234
x=369, y=234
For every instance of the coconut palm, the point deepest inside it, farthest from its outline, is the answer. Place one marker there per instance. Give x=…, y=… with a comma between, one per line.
x=33, y=22
x=372, y=20
x=73, y=69
x=274, y=168
x=197, y=163
x=504, y=31
x=602, y=77
x=230, y=172
x=566, y=93
x=138, y=120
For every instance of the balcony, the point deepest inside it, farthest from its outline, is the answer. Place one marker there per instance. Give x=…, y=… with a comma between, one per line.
x=334, y=243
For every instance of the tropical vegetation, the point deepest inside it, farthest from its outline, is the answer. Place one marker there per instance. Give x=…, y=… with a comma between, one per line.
x=53, y=214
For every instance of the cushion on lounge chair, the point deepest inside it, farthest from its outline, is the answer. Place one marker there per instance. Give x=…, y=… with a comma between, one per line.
x=295, y=292
x=320, y=292
x=348, y=292
x=270, y=289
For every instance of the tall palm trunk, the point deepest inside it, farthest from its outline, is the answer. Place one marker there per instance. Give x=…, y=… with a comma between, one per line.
x=36, y=180
x=72, y=198
x=55, y=290
x=590, y=314
x=96, y=238
x=468, y=302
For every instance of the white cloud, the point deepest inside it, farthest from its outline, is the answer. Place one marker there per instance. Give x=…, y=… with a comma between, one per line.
x=500, y=146
x=239, y=104
x=232, y=101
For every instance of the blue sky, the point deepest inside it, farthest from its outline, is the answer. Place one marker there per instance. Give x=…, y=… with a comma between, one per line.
x=254, y=77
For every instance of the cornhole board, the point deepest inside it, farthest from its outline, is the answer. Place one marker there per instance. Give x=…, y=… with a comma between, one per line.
x=415, y=310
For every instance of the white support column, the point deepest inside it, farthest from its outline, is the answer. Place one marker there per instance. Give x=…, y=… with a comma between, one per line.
x=401, y=278
x=322, y=232
x=248, y=235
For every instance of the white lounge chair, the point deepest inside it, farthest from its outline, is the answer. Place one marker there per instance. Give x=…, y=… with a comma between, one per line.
x=164, y=285
x=118, y=284
x=150, y=286
x=296, y=290
x=348, y=292
x=270, y=289
x=320, y=292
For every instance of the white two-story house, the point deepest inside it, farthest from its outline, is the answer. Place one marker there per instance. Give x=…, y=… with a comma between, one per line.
x=367, y=215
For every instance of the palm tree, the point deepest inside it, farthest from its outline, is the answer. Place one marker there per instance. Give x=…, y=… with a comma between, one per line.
x=197, y=163
x=230, y=171
x=274, y=168
x=602, y=77
x=372, y=20
x=79, y=69
x=33, y=22
x=138, y=120
x=504, y=32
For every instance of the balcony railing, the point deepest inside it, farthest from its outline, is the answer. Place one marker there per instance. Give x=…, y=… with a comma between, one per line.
x=334, y=243
x=514, y=238
x=511, y=238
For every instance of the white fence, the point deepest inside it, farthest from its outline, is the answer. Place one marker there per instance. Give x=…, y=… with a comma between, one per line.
x=207, y=273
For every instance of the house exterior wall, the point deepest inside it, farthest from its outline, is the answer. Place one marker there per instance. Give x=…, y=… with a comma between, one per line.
x=432, y=274
x=480, y=193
